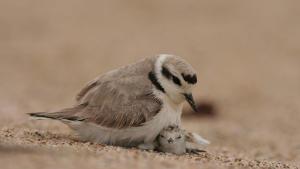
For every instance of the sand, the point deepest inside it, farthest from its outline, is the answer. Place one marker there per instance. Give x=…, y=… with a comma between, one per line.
x=246, y=55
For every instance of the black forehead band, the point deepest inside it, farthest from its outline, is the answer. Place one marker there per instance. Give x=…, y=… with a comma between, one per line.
x=191, y=79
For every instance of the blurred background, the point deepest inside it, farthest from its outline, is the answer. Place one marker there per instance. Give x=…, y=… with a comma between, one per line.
x=246, y=54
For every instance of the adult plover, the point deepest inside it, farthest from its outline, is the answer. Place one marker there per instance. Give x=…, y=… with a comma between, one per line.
x=131, y=105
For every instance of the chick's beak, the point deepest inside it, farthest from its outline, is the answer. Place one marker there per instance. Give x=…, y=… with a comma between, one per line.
x=189, y=98
x=170, y=140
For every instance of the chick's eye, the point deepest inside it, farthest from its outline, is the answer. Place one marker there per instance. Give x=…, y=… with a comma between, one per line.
x=179, y=137
x=161, y=136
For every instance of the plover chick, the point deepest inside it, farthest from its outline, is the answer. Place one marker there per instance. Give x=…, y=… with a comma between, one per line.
x=173, y=139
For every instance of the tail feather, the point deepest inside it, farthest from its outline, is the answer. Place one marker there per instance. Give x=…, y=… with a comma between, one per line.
x=42, y=115
x=54, y=116
x=65, y=114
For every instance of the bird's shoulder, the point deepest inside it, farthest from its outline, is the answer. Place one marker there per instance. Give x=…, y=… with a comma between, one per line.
x=126, y=78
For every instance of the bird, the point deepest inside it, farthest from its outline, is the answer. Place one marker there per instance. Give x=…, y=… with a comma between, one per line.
x=130, y=105
x=171, y=140
x=175, y=140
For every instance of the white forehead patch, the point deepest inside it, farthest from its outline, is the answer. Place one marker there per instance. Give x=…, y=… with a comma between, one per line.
x=160, y=61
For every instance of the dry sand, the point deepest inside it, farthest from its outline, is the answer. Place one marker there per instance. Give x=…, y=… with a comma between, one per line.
x=246, y=53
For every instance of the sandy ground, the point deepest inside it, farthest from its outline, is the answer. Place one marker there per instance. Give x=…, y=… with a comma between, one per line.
x=246, y=55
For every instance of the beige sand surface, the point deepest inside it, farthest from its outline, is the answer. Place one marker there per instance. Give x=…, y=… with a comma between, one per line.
x=246, y=53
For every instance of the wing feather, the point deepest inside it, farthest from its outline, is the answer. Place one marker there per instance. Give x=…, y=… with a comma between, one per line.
x=121, y=98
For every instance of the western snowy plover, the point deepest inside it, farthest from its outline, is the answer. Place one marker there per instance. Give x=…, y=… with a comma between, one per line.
x=130, y=105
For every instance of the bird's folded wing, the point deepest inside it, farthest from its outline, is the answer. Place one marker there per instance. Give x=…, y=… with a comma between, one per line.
x=119, y=101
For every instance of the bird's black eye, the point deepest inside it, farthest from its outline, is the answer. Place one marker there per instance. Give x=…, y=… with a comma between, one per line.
x=161, y=136
x=176, y=80
x=179, y=137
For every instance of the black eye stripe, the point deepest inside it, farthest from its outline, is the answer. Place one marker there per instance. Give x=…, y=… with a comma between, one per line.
x=155, y=82
x=166, y=73
x=191, y=79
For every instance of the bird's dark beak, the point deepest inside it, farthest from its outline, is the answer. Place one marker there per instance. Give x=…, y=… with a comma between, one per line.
x=189, y=98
